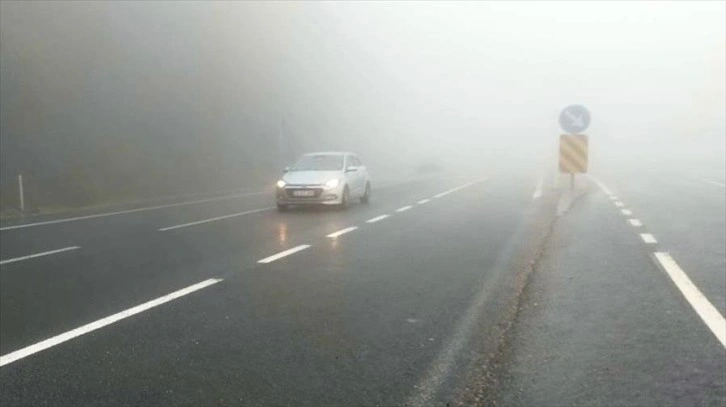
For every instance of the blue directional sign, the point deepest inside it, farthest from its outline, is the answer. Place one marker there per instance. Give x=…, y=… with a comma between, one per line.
x=574, y=119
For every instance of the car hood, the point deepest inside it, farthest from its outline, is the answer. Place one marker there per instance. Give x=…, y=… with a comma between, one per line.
x=310, y=177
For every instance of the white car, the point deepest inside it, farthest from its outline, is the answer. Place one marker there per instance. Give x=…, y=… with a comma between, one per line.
x=328, y=178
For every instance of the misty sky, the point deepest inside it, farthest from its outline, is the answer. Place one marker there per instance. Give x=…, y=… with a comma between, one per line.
x=508, y=68
x=389, y=80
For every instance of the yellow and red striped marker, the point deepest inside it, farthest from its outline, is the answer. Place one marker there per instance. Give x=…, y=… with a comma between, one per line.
x=573, y=154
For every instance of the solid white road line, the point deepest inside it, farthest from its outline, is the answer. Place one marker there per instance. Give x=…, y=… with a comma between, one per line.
x=538, y=190
x=708, y=313
x=648, y=238
x=32, y=256
x=148, y=208
x=619, y=204
x=721, y=184
x=283, y=254
x=423, y=201
x=613, y=198
x=377, y=218
x=635, y=222
x=343, y=231
x=215, y=219
x=56, y=340
x=404, y=208
x=627, y=212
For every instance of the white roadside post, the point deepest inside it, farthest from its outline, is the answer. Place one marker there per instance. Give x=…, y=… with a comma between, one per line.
x=20, y=191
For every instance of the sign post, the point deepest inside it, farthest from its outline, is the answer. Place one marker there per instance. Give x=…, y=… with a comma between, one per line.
x=574, y=119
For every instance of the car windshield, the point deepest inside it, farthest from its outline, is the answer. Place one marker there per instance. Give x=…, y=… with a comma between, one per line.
x=319, y=162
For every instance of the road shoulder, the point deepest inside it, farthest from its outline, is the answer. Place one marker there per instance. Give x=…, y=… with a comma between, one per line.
x=600, y=324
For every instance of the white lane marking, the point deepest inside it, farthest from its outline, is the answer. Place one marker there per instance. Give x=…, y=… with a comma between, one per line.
x=442, y=194
x=283, y=254
x=404, y=208
x=613, y=198
x=635, y=222
x=32, y=256
x=423, y=201
x=343, y=231
x=648, y=238
x=721, y=184
x=58, y=339
x=377, y=218
x=538, y=189
x=149, y=208
x=602, y=186
x=215, y=219
x=708, y=313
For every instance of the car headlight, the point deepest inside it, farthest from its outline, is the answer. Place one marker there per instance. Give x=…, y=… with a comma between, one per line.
x=332, y=183
x=281, y=184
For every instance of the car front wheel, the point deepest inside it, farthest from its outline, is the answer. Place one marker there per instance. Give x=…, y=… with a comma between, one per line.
x=366, y=198
x=345, y=199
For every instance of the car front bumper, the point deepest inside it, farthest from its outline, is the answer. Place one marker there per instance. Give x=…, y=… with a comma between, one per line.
x=321, y=196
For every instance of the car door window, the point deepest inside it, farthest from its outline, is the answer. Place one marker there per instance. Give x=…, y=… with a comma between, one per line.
x=352, y=162
x=355, y=176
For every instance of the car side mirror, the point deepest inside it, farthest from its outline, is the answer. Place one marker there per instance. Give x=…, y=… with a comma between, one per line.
x=352, y=168
x=286, y=169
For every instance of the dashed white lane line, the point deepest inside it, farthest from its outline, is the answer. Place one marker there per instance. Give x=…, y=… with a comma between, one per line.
x=423, y=201
x=343, y=231
x=32, y=256
x=703, y=307
x=708, y=313
x=626, y=212
x=404, y=208
x=58, y=339
x=619, y=204
x=443, y=194
x=377, y=218
x=215, y=219
x=283, y=254
x=635, y=222
x=721, y=184
x=604, y=188
x=148, y=208
x=648, y=238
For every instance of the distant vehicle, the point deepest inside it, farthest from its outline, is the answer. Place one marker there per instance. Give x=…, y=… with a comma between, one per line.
x=327, y=178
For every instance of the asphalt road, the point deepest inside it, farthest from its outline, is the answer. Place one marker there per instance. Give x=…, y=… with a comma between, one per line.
x=229, y=302
x=601, y=321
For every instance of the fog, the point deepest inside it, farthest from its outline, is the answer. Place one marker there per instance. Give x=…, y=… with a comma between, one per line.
x=103, y=101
